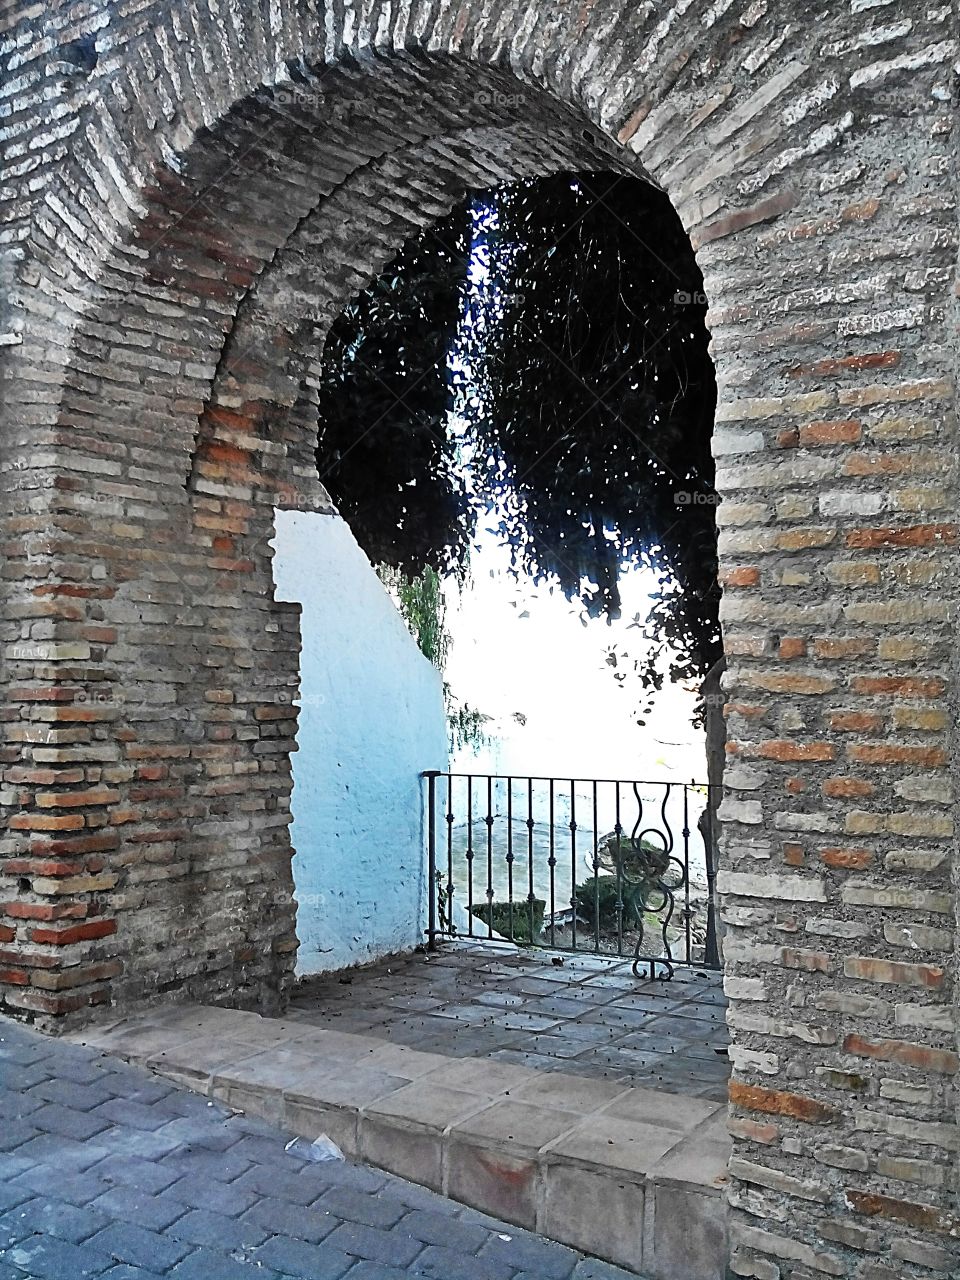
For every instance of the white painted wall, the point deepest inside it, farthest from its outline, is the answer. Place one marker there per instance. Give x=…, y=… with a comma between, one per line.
x=371, y=720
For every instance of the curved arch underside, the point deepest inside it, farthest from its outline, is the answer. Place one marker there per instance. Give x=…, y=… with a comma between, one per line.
x=187, y=215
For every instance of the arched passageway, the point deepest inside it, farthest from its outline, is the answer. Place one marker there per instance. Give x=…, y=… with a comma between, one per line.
x=196, y=192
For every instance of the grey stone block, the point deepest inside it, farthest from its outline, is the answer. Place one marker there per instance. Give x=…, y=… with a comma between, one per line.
x=46, y=1258
x=131, y=1204
x=219, y=1197
x=201, y=1162
x=375, y=1245
x=451, y=1264
x=689, y=1236
x=358, y=1206
x=594, y=1269
x=207, y=1264
x=72, y=1094
x=131, y=1171
x=64, y=1121
x=433, y=1227
x=303, y=1260
x=75, y=1188
x=284, y=1184
x=124, y=1272
x=377, y=1271
x=127, y=1242
x=135, y=1115
x=201, y=1227
x=531, y=1253
x=42, y=1216
x=277, y=1217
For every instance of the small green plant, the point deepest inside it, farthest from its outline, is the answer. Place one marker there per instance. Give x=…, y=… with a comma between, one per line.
x=501, y=914
x=630, y=872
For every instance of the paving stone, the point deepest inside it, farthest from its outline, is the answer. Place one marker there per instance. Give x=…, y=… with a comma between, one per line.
x=201, y=1227
x=55, y=1218
x=45, y=1179
x=131, y=1171
x=207, y=1264
x=127, y=1111
x=279, y=1217
x=375, y=1245
x=72, y=1094
x=128, y=1242
x=549, y=1260
x=202, y=1162
x=67, y=1122
x=377, y=1271
x=47, y=1258
x=15, y=1132
x=306, y=1261
x=439, y=1228
x=287, y=1185
x=210, y=1132
x=594, y=1269
x=123, y=1272
x=354, y=1206
x=220, y=1197
x=131, y=1204
x=68, y=1155
x=450, y=1264
x=20, y=1078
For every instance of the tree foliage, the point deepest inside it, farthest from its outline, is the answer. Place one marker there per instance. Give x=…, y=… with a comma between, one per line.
x=538, y=360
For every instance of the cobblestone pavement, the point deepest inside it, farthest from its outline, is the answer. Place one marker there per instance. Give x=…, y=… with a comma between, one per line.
x=106, y=1170
x=585, y=1016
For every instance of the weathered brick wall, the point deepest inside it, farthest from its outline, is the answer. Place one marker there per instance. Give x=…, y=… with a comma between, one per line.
x=190, y=194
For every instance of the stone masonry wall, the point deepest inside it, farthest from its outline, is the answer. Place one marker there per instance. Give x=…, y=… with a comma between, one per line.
x=190, y=193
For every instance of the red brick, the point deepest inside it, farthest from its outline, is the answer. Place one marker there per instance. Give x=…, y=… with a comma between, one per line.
x=922, y=535
x=789, y=750
x=870, y=969
x=753, y=1097
x=846, y=788
x=745, y=576
x=792, y=647
x=75, y=933
x=882, y=753
x=855, y=722
x=922, y=1216
x=847, y=364
x=904, y=1052
x=847, y=859
x=77, y=799
x=47, y=821
x=816, y=434
x=848, y=648
x=910, y=686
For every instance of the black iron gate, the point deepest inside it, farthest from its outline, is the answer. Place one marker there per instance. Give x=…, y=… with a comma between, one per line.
x=620, y=868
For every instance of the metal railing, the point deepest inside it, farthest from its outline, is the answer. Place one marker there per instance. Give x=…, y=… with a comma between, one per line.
x=599, y=865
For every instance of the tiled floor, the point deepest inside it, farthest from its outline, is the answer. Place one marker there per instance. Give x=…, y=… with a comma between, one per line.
x=584, y=1016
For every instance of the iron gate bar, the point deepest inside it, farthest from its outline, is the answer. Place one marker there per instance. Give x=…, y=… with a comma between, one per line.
x=649, y=868
x=552, y=864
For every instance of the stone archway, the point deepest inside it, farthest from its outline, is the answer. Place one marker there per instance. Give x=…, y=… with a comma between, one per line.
x=146, y=761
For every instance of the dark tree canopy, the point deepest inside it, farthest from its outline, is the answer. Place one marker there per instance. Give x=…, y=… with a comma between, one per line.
x=538, y=359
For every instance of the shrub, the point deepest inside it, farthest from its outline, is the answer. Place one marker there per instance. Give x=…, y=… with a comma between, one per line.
x=497, y=914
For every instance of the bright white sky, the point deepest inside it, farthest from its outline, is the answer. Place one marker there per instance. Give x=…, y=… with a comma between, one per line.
x=517, y=647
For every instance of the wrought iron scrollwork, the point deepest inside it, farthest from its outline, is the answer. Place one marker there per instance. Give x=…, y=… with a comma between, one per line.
x=649, y=876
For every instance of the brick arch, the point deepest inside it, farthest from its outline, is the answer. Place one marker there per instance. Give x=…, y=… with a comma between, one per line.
x=809, y=159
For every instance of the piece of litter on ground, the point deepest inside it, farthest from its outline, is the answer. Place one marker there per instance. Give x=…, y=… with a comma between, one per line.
x=322, y=1148
x=503, y=1237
